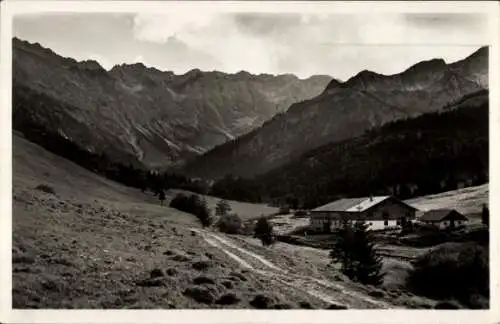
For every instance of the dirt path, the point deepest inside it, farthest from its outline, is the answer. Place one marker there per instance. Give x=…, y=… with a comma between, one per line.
x=327, y=291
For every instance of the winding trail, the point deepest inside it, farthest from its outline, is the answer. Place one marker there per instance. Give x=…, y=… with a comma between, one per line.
x=327, y=291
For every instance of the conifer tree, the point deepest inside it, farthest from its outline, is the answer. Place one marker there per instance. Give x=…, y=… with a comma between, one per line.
x=485, y=215
x=354, y=249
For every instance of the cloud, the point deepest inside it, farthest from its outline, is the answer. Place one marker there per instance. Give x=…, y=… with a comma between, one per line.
x=336, y=44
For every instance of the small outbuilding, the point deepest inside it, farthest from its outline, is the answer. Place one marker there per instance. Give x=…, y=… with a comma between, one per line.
x=444, y=218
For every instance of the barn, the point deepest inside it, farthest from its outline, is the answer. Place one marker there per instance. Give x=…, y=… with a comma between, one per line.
x=381, y=212
x=444, y=218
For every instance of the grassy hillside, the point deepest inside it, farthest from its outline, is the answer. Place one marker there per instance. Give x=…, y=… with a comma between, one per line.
x=95, y=243
x=82, y=241
x=468, y=201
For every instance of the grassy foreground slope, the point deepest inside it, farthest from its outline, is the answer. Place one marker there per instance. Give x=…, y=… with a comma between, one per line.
x=98, y=244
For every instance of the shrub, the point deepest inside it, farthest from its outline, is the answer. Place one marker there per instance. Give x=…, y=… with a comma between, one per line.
x=155, y=273
x=485, y=215
x=284, y=210
x=300, y=213
x=46, y=188
x=336, y=306
x=201, y=280
x=200, y=294
x=305, y=305
x=447, y=305
x=260, y=302
x=228, y=284
x=201, y=265
x=453, y=270
x=282, y=306
x=230, y=224
x=193, y=205
x=264, y=231
x=228, y=299
x=222, y=208
x=161, y=196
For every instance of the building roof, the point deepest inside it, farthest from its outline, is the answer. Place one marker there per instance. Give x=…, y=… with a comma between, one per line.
x=352, y=204
x=438, y=215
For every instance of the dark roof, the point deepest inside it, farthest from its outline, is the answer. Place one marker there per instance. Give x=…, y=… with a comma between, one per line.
x=352, y=204
x=438, y=215
x=357, y=204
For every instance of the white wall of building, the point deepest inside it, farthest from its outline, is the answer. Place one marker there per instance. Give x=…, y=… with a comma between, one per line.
x=380, y=224
x=317, y=224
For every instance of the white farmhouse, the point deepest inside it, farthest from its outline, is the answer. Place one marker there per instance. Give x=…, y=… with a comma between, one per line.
x=381, y=212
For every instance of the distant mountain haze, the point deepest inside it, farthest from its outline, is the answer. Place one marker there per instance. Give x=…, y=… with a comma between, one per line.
x=345, y=110
x=145, y=116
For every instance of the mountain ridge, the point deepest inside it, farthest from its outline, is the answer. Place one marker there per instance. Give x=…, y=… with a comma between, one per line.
x=345, y=110
x=157, y=117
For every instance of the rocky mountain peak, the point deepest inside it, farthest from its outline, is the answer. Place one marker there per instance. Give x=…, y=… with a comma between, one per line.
x=156, y=117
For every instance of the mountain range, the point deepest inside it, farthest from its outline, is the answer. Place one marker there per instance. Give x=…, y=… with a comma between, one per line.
x=143, y=116
x=345, y=110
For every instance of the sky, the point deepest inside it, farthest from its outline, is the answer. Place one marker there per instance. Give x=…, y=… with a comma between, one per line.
x=339, y=45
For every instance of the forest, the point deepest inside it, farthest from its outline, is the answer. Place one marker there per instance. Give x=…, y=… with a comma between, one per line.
x=432, y=153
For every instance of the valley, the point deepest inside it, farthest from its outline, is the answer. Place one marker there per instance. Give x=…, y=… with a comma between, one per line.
x=123, y=250
x=135, y=188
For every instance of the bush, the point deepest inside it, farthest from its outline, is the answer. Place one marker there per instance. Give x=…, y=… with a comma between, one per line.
x=284, y=210
x=261, y=302
x=202, y=280
x=45, y=188
x=201, y=265
x=193, y=205
x=200, y=294
x=230, y=224
x=300, y=213
x=228, y=299
x=447, y=305
x=222, y=208
x=453, y=270
x=264, y=231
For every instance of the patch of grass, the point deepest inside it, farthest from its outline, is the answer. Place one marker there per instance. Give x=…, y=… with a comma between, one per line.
x=228, y=284
x=377, y=293
x=336, y=306
x=151, y=282
x=238, y=276
x=200, y=294
x=228, y=299
x=201, y=280
x=156, y=273
x=23, y=258
x=201, y=265
x=305, y=305
x=447, y=305
x=261, y=302
x=46, y=188
x=171, y=272
x=281, y=306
